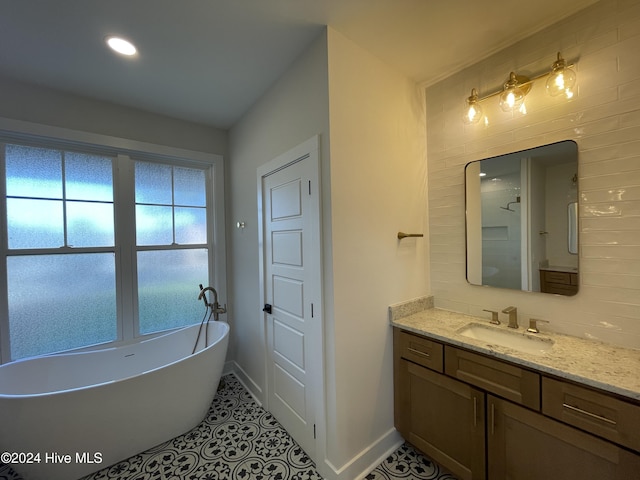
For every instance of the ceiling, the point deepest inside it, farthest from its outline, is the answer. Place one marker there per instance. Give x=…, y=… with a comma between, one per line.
x=208, y=61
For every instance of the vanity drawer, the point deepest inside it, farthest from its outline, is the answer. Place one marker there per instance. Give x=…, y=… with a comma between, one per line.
x=592, y=411
x=560, y=289
x=558, y=277
x=563, y=283
x=419, y=350
x=495, y=376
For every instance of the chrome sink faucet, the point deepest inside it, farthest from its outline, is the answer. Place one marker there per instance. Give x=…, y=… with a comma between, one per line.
x=513, y=316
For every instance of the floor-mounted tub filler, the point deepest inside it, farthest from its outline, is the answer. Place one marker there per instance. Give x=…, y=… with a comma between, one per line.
x=65, y=416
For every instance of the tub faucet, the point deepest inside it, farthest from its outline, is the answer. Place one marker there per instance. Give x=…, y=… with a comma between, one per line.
x=217, y=310
x=215, y=306
x=513, y=316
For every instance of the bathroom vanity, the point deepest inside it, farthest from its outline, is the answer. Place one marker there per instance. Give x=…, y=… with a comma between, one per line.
x=570, y=410
x=559, y=280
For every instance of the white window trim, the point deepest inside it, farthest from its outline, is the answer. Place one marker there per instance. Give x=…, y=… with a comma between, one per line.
x=137, y=150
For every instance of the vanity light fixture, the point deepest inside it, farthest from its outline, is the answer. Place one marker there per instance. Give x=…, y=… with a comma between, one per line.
x=513, y=92
x=561, y=81
x=121, y=46
x=473, y=113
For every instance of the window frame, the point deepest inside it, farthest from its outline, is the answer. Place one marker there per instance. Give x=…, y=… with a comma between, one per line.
x=125, y=153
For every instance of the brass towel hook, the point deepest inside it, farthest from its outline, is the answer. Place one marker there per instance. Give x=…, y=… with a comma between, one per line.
x=402, y=235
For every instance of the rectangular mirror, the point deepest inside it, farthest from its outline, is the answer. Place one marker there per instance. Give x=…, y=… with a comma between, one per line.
x=522, y=220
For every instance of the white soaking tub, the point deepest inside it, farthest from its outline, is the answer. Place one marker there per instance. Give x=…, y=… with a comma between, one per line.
x=65, y=416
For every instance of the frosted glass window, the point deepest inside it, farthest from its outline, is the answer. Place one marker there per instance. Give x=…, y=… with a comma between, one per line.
x=65, y=252
x=168, y=288
x=170, y=205
x=191, y=226
x=88, y=177
x=189, y=185
x=153, y=183
x=90, y=224
x=33, y=172
x=34, y=223
x=60, y=302
x=39, y=213
x=154, y=225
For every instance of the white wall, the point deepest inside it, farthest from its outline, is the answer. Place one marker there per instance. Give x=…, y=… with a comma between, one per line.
x=378, y=187
x=604, y=119
x=36, y=104
x=371, y=123
x=292, y=111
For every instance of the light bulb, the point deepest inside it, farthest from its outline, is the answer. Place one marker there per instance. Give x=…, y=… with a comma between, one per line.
x=512, y=96
x=561, y=79
x=510, y=100
x=121, y=46
x=473, y=112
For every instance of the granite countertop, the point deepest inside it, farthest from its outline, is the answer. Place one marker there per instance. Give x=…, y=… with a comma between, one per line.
x=560, y=268
x=600, y=365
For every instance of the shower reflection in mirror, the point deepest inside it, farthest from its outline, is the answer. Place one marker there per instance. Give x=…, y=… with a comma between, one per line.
x=522, y=219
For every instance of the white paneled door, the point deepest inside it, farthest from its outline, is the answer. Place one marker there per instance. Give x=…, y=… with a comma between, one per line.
x=291, y=249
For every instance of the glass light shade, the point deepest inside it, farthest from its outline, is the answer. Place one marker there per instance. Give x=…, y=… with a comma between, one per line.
x=511, y=99
x=561, y=79
x=512, y=95
x=473, y=110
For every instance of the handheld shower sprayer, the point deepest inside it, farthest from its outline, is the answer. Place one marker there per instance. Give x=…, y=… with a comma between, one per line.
x=203, y=296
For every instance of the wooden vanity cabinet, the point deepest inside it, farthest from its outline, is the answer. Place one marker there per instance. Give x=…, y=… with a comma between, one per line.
x=560, y=282
x=440, y=416
x=524, y=445
x=484, y=418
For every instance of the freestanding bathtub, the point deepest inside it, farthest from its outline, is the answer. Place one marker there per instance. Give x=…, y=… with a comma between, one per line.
x=65, y=416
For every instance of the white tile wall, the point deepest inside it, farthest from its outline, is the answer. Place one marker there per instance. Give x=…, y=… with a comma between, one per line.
x=603, y=118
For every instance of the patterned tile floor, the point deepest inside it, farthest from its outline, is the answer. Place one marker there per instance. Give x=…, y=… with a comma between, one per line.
x=238, y=440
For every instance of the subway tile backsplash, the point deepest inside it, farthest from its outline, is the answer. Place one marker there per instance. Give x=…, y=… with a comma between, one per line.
x=603, y=118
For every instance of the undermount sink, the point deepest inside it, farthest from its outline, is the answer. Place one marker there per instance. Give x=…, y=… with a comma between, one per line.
x=515, y=339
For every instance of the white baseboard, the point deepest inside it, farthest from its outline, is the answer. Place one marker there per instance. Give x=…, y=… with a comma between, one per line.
x=248, y=383
x=367, y=460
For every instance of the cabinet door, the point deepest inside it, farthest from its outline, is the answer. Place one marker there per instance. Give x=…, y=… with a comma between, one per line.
x=525, y=445
x=444, y=418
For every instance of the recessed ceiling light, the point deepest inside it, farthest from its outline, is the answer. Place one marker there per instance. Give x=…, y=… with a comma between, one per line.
x=122, y=46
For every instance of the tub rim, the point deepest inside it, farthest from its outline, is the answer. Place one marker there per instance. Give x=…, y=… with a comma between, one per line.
x=4, y=396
